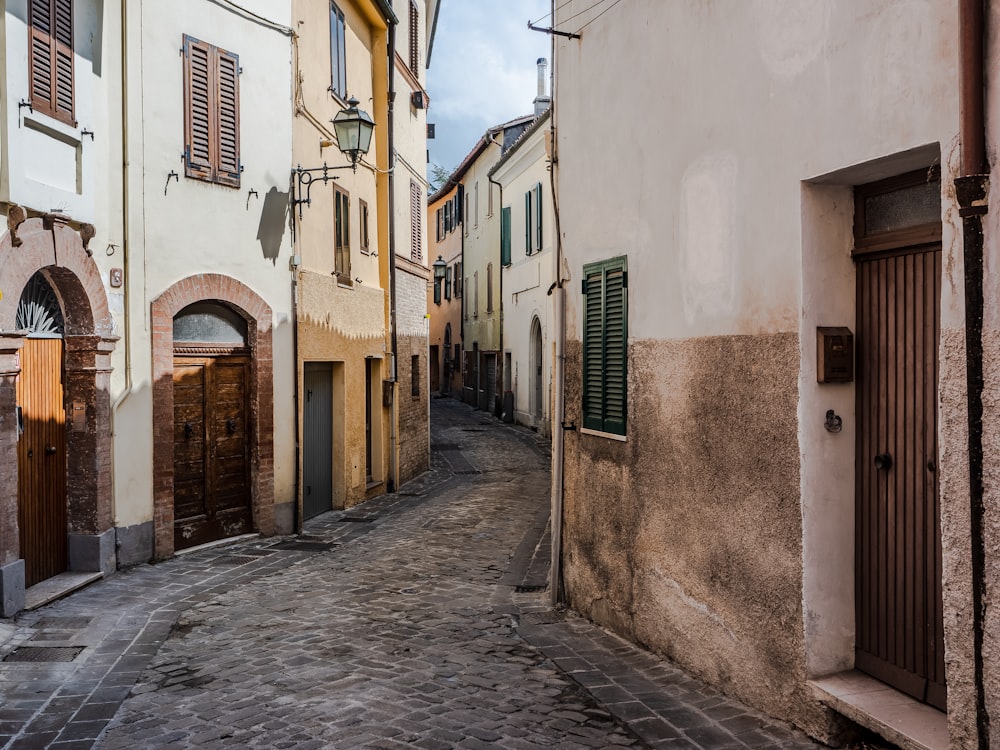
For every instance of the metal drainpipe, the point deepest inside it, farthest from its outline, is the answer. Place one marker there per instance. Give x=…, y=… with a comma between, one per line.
x=972, y=190
x=393, y=367
x=559, y=407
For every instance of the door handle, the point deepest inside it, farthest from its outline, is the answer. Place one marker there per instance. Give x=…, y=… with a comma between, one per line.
x=883, y=461
x=50, y=450
x=188, y=429
x=230, y=426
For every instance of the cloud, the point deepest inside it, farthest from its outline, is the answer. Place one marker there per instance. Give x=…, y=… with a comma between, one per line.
x=482, y=71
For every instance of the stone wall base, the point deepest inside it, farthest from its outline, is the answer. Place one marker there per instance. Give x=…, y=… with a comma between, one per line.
x=93, y=552
x=135, y=544
x=11, y=588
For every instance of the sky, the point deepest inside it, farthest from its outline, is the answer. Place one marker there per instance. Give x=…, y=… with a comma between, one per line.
x=482, y=70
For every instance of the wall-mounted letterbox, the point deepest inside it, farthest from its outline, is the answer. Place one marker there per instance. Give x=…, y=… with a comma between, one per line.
x=834, y=354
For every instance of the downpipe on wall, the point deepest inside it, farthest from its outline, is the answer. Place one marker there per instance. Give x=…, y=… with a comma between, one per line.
x=972, y=191
x=393, y=483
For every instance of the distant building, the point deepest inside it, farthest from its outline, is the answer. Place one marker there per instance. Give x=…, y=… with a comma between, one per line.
x=528, y=273
x=444, y=297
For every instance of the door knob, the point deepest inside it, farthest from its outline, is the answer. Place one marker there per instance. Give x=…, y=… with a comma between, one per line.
x=50, y=450
x=883, y=461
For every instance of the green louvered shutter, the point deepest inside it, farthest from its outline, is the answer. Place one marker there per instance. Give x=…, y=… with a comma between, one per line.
x=615, y=349
x=605, y=346
x=505, y=236
x=538, y=216
x=527, y=223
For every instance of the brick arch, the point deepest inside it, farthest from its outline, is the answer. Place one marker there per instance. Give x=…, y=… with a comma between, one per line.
x=248, y=304
x=57, y=251
x=74, y=276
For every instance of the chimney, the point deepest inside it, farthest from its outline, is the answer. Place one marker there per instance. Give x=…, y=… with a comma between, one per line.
x=542, y=101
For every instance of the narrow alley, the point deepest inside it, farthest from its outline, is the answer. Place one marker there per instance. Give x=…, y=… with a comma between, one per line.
x=416, y=620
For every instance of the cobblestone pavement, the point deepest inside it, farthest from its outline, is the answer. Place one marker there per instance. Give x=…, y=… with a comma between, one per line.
x=415, y=620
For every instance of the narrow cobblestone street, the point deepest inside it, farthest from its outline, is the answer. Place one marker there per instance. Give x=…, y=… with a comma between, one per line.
x=416, y=620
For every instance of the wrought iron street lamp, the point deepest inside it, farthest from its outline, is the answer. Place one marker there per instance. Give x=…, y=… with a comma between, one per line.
x=440, y=268
x=353, y=128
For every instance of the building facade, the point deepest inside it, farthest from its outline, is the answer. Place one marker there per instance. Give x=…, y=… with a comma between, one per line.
x=342, y=287
x=61, y=290
x=444, y=298
x=528, y=273
x=769, y=325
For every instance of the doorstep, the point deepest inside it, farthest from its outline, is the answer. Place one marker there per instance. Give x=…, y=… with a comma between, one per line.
x=224, y=542
x=892, y=715
x=57, y=587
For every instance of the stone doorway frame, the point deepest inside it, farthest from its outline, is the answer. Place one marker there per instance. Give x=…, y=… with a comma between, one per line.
x=48, y=245
x=211, y=287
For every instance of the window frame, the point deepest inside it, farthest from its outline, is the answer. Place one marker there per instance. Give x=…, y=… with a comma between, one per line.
x=489, y=287
x=207, y=158
x=365, y=238
x=58, y=51
x=416, y=222
x=342, y=235
x=414, y=32
x=505, y=230
x=338, y=53
x=598, y=417
x=447, y=282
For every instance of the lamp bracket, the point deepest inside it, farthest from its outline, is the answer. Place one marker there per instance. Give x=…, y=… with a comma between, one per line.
x=303, y=178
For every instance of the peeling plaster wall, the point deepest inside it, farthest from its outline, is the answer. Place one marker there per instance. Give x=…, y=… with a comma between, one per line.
x=346, y=325
x=720, y=531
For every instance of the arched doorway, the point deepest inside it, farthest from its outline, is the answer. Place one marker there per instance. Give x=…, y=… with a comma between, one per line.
x=56, y=340
x=535, y=364
x=41, y=421
x=237, y=358
x=212, y=498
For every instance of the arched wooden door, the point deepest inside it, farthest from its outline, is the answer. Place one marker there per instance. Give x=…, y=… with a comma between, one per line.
x=536, y=369
x=212, y=496
x=41, y=447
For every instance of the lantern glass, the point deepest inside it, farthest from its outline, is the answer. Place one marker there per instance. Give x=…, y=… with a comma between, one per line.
x=354, y=130
x=440, y=268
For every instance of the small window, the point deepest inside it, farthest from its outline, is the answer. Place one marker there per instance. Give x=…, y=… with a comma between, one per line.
x=489, y=199
x=533, y=220
x=342, y=235
x=50, y=58
x=505, y=236
x=447, y=282
x=466, y=215
x=415, y=375
x=363, y=216
x=416, y=222
x=338, y=54
x=437, y=291
x=414, y=39
x=458, y=280
x=605, y=346
x=211, y=113
x=475, y=294
x=489, y=287
x=475, y=216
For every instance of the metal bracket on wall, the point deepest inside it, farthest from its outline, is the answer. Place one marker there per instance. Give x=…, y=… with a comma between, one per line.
x=304, y=178
x=176, y=177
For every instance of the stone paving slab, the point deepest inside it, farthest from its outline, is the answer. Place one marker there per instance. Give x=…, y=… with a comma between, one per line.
x=402, y=629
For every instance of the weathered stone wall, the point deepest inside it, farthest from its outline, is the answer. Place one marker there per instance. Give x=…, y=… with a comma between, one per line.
x=687, y=536
x=413, y=396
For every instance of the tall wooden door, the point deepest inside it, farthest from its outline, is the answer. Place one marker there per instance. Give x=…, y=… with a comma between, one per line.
x=212, y=498
x=900, y=632
x=317, y=439
x=41, y=460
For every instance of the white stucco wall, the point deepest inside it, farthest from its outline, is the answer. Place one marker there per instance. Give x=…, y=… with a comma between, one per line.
x=745, y=126
x=526, y=281
x=182, y=227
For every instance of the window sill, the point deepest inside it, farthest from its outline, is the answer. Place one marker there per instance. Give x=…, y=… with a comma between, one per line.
x=344, y=281
x=892, y=715
x=608, y=435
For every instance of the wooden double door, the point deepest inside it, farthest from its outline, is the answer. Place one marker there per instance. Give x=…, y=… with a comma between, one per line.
x=212, y=489
x=41, y=460
x=900, y=631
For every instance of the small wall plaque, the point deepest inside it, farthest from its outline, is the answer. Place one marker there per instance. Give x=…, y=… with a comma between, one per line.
x=834, y=355
x=78, y=419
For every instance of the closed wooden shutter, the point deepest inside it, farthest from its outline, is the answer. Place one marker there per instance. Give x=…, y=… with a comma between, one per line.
x=605, y=347
x=228, y=118
x=505, y=236
x=211, y=113
x=416, y=216
x=414, y=39
x=50, y=53
x=198, y=116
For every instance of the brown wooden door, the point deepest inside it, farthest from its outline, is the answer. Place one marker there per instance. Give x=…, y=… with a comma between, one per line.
x=900, y=635
x=41, y=460
x=211, y=449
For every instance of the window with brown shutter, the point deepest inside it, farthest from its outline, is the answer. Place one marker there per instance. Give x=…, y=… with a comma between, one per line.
x=50, y=58
x=416, y=222
x=211, y=113
x=414, y=39
x=342, y=235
